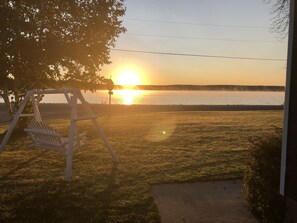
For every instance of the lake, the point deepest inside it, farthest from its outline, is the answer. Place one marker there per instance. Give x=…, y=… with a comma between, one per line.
x=179, y=97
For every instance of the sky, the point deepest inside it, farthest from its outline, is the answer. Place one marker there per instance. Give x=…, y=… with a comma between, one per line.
x=229, y=28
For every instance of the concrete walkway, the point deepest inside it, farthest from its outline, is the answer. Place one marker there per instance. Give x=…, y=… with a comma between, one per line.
x=204, y=202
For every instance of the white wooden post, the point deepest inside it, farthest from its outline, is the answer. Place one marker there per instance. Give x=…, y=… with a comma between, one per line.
x=15, y=120
x=69, y=153
x=37, y=115
x=97, y=127
x=67, y=97
x=77, y=138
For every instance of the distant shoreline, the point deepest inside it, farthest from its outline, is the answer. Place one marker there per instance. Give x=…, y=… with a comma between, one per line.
x=63, y=110
x=181, y=87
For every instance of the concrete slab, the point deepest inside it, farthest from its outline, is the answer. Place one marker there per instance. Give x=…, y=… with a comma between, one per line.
x=202, y=202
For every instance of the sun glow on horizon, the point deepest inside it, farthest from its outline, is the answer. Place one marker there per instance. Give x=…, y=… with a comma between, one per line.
x=128, y=78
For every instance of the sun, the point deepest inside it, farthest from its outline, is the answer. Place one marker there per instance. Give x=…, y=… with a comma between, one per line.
x=128, y=78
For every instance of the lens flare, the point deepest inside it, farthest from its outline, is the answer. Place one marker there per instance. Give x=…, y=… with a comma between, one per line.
x=161, y=130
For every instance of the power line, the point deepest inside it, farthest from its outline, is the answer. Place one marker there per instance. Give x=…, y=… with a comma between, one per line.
x=199, y=55
x=197, y=24
x=212, y=39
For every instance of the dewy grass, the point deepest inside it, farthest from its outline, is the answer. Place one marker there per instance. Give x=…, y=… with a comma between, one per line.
x=153, y=148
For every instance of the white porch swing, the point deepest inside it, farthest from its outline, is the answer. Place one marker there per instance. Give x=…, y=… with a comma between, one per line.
x=46, y=137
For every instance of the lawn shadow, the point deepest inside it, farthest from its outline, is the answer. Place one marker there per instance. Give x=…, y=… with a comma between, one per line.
x=22, y=165
x=111, y=188
x=55, y=200
x=17, y=134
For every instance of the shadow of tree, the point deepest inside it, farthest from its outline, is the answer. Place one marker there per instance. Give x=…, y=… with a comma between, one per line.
x=23, y=165
x=55, y=200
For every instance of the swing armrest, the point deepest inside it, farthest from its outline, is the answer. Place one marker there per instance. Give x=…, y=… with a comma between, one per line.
x=42, y=132
x=81, y=136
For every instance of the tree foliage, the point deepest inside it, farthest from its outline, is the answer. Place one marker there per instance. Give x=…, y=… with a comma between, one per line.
x=43, y=43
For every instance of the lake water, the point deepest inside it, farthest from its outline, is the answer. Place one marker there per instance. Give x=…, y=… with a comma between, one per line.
x=179, y=97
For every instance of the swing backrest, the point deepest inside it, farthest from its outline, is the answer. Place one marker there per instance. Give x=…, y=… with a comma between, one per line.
x=45, y=136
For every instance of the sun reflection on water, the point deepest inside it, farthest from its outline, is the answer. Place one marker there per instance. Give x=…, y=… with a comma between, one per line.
x=129, y=97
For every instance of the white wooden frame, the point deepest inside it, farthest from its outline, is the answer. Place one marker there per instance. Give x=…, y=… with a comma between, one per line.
x=287, y=98
x=72, y=96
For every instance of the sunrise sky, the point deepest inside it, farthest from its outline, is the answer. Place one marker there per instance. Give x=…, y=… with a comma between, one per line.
x=232, y=28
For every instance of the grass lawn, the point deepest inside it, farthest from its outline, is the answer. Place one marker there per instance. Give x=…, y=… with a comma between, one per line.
x=153, y=148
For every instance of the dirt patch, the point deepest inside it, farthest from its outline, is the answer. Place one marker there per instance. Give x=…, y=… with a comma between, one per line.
x=205, y=202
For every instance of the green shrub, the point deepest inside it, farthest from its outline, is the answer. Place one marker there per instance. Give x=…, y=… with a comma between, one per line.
x=262, y=177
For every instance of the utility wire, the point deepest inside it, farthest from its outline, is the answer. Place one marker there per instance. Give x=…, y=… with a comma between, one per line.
x=199, y=55
x=197, y=24
x=212, y=39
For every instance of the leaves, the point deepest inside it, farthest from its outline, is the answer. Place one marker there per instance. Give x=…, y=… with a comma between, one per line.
x=45, y=42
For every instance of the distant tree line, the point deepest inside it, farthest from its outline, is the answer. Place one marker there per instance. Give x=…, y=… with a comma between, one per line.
x=203, y=87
